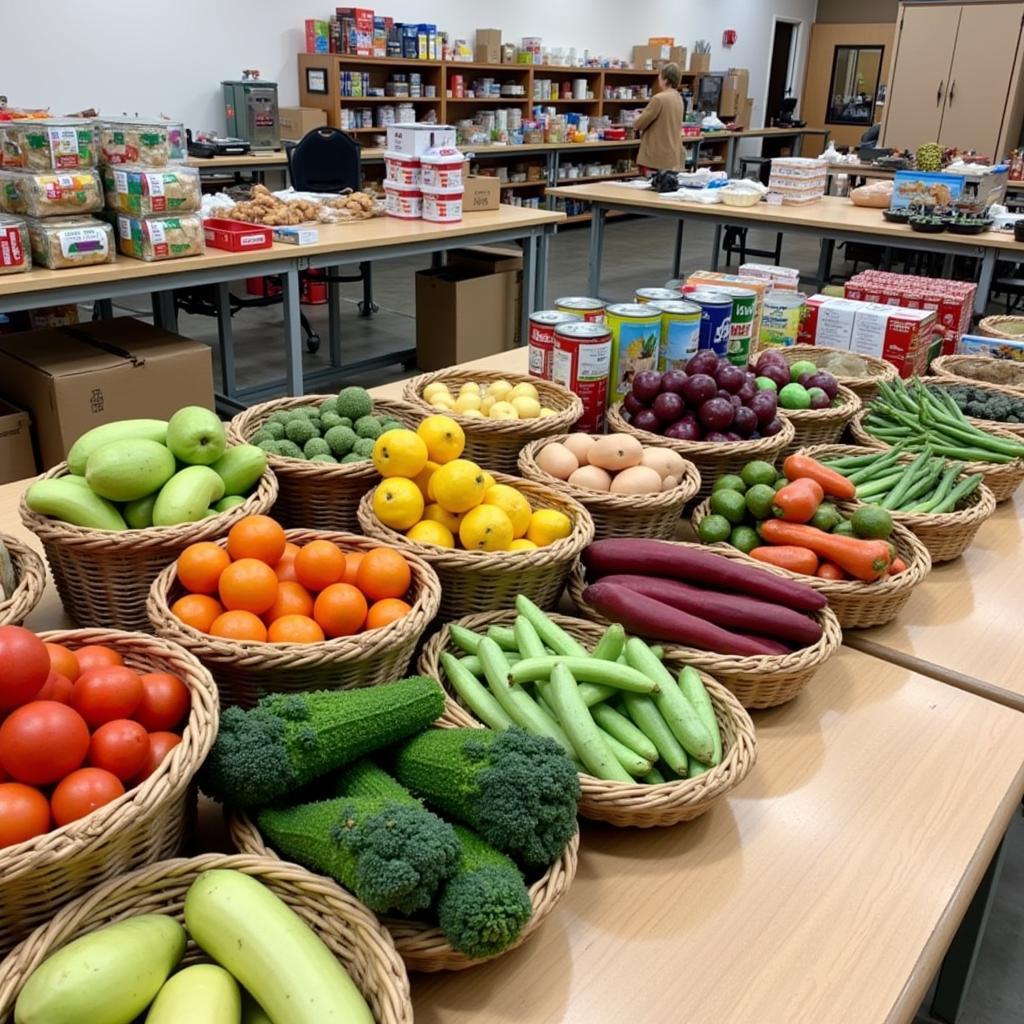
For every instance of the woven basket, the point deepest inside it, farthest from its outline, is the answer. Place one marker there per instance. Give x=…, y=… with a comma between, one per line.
x=1001, y=478
x=622, y=803
x=30, y=576
x=103, y=576
x=958, y=368
x=349, y=930
x=421, y=944
x=487, y=581
x=1017, y=429
x=147, y=823
x=713, y=458
x=865, y=388
x=764, y=681
x=946, y=536
x=1010, y=328
x=856, y=604
x=247, y=670
x=315, y=495
x=822, y=426
x=619, y=515
x=495, y=444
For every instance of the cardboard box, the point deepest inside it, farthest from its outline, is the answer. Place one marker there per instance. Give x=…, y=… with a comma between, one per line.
x=74, y=378
x=414, y=139
x=700, y=63
x=828, y=321
x=659, y=55
x=902, y=337
x=17, y=460
x=745, y=117
x=297, y=121
x=482, y=192
x=497, y=260
x=488, y=46
x=735, y=86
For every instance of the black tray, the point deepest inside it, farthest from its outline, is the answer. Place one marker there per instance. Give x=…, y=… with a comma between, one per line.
x=896, y=216
x=958, y=227
x=929, y=227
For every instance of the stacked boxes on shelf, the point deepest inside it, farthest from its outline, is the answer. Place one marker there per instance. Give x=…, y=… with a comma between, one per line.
x=797, y=180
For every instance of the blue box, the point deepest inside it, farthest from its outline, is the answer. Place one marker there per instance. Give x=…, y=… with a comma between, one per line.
x=938, y=188
x=998, y=348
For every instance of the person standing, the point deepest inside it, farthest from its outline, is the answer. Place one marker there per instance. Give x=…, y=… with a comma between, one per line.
x=661, y=125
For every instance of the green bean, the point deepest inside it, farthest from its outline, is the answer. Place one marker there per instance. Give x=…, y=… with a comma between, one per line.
x=648, y=719
x=618, y=725
x=474, y=694
x=924, y=484
x=467, y=639
x=695, y=692
x=610, y=646
x=881, y=464
x=850, y=462
x=963, y=490
x=698, y=768
x=913, y=473
x=471, y=662
x=653, y=778
x=552, y=634
x=952, y=471
x=587, y=669
x=504, y=637
x=636, y=765
x=875, y=488
x=593, y=694
x=528, y=641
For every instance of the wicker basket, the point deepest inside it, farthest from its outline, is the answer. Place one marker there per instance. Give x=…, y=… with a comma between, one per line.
x=349, y=930
x=622, y=803
x=957, y=368
x=822, y=426
x=495, y=444
x=712, y=458
x=103, y=576
x=314, y=495
x=421, y=944
x=619, y=515
x=762, y=681
x=147, y=823
x=482, y=581
x=856, y=604
x=947, y=535
x=1010, y=328
x=1017, y=429
x=1001, y=478
x=864, y=387
x=247, y=670
x=30, y=576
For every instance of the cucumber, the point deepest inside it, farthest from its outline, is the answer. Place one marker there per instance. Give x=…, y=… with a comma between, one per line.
x=73, y=503
x=252, y=1012
x=120, y=430
x=271, y=951
x=107, y=977
x=203, y=994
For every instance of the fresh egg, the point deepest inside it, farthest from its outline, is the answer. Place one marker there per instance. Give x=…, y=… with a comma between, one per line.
x=580, y=445
x=557, y=460
x=616, y=452
x=664, y=461
x=636, y=480
x=593, y=478
x=668, y=483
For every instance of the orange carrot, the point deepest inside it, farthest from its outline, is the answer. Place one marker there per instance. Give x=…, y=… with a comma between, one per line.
x=897, y=566
x=862, y=559
x=787, y=556
x=802, y=467
x=830, y=571
x=798, y=501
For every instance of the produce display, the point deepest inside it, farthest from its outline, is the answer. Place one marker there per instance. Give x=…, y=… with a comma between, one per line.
x=614, y=463
x=983, y=404
x=499, y=400
x=125, y=475
x=988, y=370
x=80, y=729
x=800, y=386
x=263, y=948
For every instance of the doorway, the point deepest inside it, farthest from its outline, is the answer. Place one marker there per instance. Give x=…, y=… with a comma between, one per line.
x=780, y=69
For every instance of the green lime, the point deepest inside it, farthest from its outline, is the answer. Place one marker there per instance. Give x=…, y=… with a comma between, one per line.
x=871, y=523
x=826, y=517
x=730, y=504
x=759, y=500
x=794, y=396
x=744, y=538
x=800, y=367
x=758, y=472
x=843, y=529
x=779, y=484
x=730, y=482
x=765, y=384
x=714, y=529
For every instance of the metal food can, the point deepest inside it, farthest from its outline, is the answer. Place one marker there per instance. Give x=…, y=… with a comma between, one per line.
x=636, y=339
x=680, y=334
x=542, y=339
x=741, y=327
x=715, y=319
x=591, y=310
x=581, y=361
x=780, y=318
x=645, y=295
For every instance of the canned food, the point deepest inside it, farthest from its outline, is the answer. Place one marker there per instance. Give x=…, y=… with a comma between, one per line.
x=741, y=326
x=581, y=361
x=583, y=307
x=780, y=319
x=680, y=334
x=542, y=339
x=715, y=319
x=644, y=295
x=636, y=338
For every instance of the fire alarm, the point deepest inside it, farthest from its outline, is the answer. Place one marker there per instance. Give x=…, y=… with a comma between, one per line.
x=729, y=37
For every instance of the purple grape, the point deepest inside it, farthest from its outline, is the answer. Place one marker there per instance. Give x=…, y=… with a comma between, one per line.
x=668, y=407
x=750, y=377
x=632, y=404
x=704, y=361
x=772, y=428
x=731, y=435
x=645, y=419
x=673, y=381
x=716, y=436
x=765, y=405
x=769, y=357
x=686, y=429
x=819, y=400
x=778, y=372
x=747, y=392
x=804, y=378
x=824, y=380
x=647, y=385
x=745, y=422
x=735, y=401
x=730, y=377
x=717, y=414
x=699, y=387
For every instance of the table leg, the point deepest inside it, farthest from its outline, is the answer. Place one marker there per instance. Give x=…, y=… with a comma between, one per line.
x=825, y=262
x=543, y=248
x=292, y=330
x=716, y=248
x=334, y=318
x=529, y=296
x=226, y=340
x=677, y=255
x=988, y=269
x=436, y=260
x=798, y=144
x=165, y=313
x=947, y=266
x=597, y=216
x=103, y=309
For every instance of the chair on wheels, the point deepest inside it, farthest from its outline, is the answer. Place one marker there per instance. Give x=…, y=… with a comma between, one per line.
x=734, y=237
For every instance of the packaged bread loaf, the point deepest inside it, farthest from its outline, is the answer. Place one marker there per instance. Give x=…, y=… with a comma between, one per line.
x=61, y=242
x=129, y=140
x=161, y=238
x=51, y=193
x=141, y=192
x=50, y=144
x=15, y=254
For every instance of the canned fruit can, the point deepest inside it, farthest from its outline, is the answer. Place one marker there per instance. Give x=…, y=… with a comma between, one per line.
x=542, y=339
x=715, y=319
x=780, y=319
x=680, y=334
x=645, y=295
x=741, y=328
x=636, y=339
x=581, y=362
x=591, y=310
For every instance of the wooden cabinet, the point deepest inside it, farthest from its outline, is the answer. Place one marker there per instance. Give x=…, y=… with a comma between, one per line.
x=956, y=77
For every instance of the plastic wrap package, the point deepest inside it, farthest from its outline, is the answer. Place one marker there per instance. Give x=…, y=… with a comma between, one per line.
x=161, y=238
x=50, y=144
x=62, y=242
x=289, y=208
x=129, y=140
x=51, y=194
x=142, y=192
x=15, y=250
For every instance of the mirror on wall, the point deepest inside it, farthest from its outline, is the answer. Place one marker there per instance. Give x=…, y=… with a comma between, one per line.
x=855, y=84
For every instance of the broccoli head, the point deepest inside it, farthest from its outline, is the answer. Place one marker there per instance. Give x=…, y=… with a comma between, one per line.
x=270, y=447
x=282, y=416
x=364, y=447
x=328, y=420
x=300, y=430
x=329, y=459
x=345, y=422
x=354, y=402
x=289, y=449
x=341, y=439
x=316, y=446
x=368, y=426
x=354, y=457
x=274, y=429
x=329, y=405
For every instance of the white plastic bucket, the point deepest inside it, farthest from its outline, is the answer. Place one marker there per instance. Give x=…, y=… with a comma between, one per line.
x=402, y=168
x=443, y=205
x=442, y=168
x=403, y=201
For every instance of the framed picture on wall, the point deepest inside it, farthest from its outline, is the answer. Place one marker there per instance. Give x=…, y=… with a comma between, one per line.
x=316, y=81
x=854, y=84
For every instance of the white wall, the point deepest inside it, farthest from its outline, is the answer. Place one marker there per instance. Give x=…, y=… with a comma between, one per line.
x=135, y=56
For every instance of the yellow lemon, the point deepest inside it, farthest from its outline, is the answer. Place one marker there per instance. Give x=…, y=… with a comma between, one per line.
x=443, y=402
x=486, y=528
x=513, y=504
x=422, y=479
x=547, y=526
x=499, y=389
x=470, y=386
x=458, y=485
x=503, y=411
x=426, y=531
x=524, y=389
x=443, y=437
x=434, y=390
x=469, y=402
x=545, y=411
x=487, y=403
x=488, y=480
x=399, y=452
x=522, y=544
x=435, y=514
x=474, y=414
x=526, y=407
x=398, y=503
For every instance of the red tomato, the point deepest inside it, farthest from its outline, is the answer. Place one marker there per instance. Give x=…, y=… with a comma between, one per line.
x=57, y=687
x=95, y=656
x=160, y=745
x=103, y=694
x=165, y=701
x=22, y=659
x=41, y=742
x=62, y=660
x=24, y=813
x=82, y=792
x=120, y=747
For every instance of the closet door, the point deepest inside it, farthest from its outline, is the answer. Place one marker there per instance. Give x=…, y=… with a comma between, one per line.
x=921, y=74
x=980, y=77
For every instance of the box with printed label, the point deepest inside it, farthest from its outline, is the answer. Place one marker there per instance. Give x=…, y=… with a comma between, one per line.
x=298, y=121
x=481, y=192
x=416, y=139
x=900, y=336
x=488, y=46
x=139, y=192
x=161, y=238
x=318, y=36
x=828, y=322
x=17, y=459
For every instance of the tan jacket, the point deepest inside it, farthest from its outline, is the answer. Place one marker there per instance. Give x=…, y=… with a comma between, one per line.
x=660, y=127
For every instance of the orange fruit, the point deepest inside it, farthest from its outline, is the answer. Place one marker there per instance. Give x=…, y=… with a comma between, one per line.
x=340, y=609
x=382, y=613
x=248, y=585
x=239, y=625
x=319, y=564
x=295, y=629
x=200, y=566
x=63, y=661
x=96, y=656
x=285, y=567
x=353, y=559
x=257, y=537
x=292, y=599
x=197, y=611
x=383, y=573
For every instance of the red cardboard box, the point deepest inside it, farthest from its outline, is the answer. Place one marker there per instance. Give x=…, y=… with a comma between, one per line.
x=901, y=336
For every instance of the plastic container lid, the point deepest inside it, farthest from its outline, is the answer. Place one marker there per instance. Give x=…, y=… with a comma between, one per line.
x=442, y=155
x=402, y=158
x=399, y=186
x=435, y=190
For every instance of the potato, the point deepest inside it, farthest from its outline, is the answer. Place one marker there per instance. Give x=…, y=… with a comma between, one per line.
x=636, y=480
x=668, y=483
x=580, y=445
x=616, y=452
x=593, y=478
x=557, y=460
x=664, y=461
